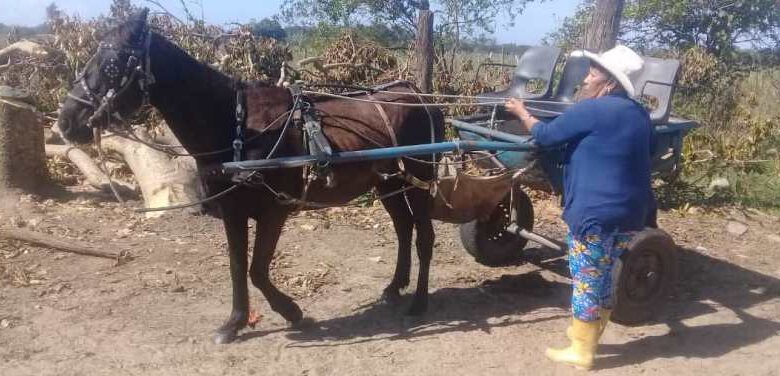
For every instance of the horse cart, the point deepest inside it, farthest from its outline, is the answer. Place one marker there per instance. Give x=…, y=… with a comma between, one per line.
x=327, y=152
x=496, y=217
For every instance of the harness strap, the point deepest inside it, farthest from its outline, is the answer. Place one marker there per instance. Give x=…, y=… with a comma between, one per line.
x=386, y=119
x=411, y=179
x=238, y=141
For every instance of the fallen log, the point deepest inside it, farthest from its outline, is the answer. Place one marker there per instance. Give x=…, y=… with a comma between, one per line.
x=70, y=246
x=25, y=47
x=163, y=180
x=93, y=174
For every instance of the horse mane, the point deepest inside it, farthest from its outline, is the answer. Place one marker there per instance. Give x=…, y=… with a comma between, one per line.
x=187, y=65
x=213, y=79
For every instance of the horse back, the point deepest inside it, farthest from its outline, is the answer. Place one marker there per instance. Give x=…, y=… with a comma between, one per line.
x=352, y=123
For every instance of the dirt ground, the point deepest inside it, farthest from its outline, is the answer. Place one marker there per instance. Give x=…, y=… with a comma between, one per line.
x=65, y=314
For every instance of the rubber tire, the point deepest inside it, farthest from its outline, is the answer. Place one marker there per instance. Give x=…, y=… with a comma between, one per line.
x=648, y=276
x=507, y=249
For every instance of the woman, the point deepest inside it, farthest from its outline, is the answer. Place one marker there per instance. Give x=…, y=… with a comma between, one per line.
x=607, y=193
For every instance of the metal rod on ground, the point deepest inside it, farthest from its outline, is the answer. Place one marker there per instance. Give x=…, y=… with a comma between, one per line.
x=549, y=243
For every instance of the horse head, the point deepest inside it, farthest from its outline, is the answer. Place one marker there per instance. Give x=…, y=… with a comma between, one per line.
x=114, y=83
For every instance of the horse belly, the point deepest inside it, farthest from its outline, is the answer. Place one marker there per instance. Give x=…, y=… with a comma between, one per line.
x=351, y=181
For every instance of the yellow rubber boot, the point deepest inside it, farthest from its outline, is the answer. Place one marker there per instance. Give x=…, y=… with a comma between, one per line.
x=584, y=341
x=604, y=316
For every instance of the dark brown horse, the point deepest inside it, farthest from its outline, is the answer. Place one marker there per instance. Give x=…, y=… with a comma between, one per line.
x=199, y=104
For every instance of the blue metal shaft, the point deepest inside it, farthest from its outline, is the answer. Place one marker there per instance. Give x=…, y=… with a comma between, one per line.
x=503, y=136
x=374, y=154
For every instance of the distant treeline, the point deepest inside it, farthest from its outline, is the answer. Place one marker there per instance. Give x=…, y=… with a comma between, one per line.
x=13, y=33
x=387, y=36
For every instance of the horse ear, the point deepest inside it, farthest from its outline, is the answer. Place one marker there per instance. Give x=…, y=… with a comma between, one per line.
x=141, y=16
x=138, y=23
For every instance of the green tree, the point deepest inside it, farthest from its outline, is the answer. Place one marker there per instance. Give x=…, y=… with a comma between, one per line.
x=717, y=26
x=465, y=17
x=268, y=28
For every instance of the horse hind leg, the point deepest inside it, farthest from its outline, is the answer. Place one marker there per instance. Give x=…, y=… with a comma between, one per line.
x=398, y=210
x=269, y=228
x=236, y=232
x=419, y=202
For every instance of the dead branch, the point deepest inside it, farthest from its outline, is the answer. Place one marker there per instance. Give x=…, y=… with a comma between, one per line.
x=310, y=60
x=70, y=246
x=350, y=65
x=317, y=62
x=165, y=11
x=282, y=75
x=190, y=17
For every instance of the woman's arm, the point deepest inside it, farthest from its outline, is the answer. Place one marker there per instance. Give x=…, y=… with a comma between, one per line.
x=572, y=125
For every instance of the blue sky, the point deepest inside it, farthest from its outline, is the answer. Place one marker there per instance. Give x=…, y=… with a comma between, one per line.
x=537, y=20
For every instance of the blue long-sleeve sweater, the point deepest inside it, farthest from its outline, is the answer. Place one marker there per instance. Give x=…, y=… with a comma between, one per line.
x=606, y=162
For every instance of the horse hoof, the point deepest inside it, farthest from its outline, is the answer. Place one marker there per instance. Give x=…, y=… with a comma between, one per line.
x=303, y=323
x=391, y=296
x=225, y=337
x=293, y=315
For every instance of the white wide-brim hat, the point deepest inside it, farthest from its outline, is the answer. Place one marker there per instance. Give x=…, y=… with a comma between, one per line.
x=621, y=62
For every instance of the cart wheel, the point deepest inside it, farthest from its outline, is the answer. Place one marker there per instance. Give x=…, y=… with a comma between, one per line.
x=648, y=275
x=489, y=242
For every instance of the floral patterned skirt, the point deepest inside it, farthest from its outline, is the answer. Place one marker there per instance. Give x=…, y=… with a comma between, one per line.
x=594, y=262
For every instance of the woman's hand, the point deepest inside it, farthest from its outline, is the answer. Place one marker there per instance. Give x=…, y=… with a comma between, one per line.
x=517, y=107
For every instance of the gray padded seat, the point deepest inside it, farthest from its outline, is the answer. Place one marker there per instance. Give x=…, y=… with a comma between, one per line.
x=574, y=72
x=537, y=63
x=657, y=81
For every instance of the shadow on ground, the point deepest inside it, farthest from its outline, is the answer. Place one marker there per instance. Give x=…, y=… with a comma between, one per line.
x=480, y=308
x=705, y=286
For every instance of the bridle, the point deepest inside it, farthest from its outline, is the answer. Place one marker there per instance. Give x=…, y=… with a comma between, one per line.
x=137, y=69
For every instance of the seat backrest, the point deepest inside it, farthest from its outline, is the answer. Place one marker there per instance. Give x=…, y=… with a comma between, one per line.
x=656, y=85
x=536, y=64
x=574, y=72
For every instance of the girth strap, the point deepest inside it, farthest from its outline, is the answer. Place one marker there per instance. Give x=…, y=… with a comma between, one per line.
x=411, y=179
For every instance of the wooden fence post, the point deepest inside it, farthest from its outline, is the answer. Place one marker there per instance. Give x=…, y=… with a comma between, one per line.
x=424, y=49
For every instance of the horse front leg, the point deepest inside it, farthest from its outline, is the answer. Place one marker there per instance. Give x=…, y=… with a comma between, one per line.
x=269, y=228
x=419, y=201
x=237, y=234
x=398, y=210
